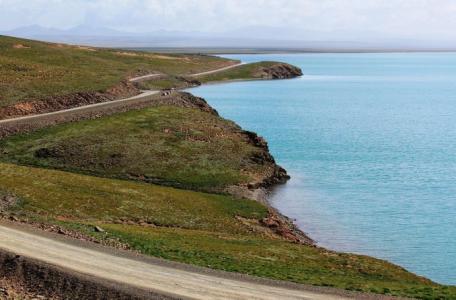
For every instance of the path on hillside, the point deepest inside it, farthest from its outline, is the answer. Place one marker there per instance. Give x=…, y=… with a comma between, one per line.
x=144, y=77
x=159, y=277
x=149, y=76
x=216, y=71
x=143, y=95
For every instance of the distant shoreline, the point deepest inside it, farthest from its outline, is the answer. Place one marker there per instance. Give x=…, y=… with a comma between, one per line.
x=218, y=51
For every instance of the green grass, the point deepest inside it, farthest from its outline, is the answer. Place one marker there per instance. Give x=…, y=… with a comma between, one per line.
x=251, y=71
x=200, y=229
x=54, y=194
x=35, y=70
x=279, y=260
x=32, y=70
x=164, y=83
x=181, y=147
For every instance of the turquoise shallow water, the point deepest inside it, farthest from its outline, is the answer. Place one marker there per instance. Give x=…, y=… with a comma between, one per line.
x=370, y=143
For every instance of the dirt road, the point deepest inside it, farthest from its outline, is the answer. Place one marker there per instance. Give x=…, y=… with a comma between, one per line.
x=143, y=95
x=216, y=71
x=156, y=75
x=159, y=277
x=145, y=77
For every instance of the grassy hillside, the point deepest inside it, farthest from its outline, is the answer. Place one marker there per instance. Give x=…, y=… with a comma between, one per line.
x=252, y=71
x=35, y=70
x=175, y=146
x=197, y=228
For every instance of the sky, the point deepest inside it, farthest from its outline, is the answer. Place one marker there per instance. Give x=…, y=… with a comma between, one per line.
x=416, y=19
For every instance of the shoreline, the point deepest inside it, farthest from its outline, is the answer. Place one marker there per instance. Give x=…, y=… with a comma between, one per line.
x=262, y=193
x=253, y=50
x=266, y=194
x=222, y=82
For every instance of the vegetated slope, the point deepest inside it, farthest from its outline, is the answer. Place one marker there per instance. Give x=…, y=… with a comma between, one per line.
x=38, y=77
x=32, y=70
x=208, y=230
x=252, y=71
x=169, y=145
x=259, y=70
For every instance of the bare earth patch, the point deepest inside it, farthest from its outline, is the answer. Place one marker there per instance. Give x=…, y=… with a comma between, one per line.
x=86, y=48
x=20, y=46
x=7, y=201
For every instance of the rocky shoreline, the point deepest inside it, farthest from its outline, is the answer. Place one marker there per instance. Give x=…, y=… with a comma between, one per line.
x=257, y=189
x=17, y=282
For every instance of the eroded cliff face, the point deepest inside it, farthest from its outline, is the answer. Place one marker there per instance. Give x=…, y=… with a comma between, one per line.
x=258, y=190
x=124, y=89
x=275, y=174
x=279, y=71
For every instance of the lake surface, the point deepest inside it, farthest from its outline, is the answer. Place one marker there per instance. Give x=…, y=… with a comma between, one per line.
x=370, y=143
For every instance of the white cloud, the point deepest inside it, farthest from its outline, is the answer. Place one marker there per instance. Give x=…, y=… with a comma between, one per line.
x=414, y=18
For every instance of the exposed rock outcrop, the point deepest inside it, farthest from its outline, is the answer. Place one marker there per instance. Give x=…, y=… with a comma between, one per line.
x=285, y=228
x=7, y=201
x=279, y=71
x=276, y=174
x=187, y=100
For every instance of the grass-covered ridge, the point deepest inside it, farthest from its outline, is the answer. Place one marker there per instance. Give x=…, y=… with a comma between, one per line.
x=175, y=146
x=249, y=71
x=253, y=71
x=36, y=70
x=197, y=228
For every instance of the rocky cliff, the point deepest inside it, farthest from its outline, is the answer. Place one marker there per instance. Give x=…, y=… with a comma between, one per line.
x=279, y=71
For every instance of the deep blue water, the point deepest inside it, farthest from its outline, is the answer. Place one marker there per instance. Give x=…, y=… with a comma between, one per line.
x=370, y=143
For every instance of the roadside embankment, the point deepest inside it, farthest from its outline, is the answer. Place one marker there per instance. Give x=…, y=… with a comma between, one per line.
x=27, y=278
x=148, y=99
x=66, y=269
x=122, y=90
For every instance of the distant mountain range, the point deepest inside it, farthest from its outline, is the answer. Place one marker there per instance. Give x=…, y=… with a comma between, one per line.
x=36, y=30
x=254, y=37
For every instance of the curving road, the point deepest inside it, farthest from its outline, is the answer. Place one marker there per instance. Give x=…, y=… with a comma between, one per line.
x=143, y=95
x=107, y=104
x=149, y=76
x=145, y=77
x=160, y=277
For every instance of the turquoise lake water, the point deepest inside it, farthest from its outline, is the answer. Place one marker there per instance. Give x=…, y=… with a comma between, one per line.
x=370, y=143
